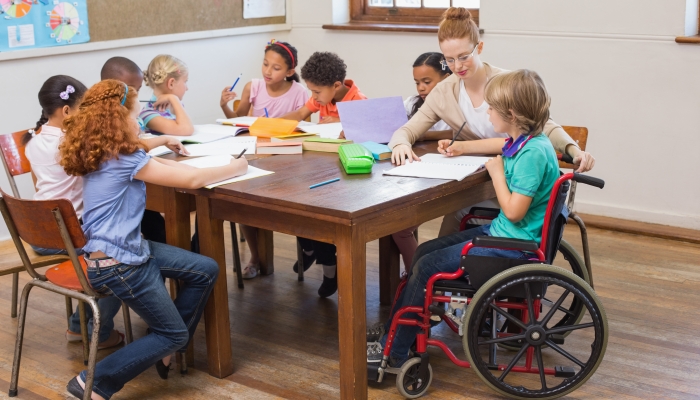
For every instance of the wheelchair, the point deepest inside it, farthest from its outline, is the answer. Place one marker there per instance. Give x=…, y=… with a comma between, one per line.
x=508, y=312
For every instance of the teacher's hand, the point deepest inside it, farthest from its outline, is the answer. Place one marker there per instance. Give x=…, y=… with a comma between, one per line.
x=584, y=161
x=402, y=152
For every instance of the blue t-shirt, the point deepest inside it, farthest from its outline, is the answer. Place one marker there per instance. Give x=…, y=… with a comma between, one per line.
x=114, y=203
x=531, y=172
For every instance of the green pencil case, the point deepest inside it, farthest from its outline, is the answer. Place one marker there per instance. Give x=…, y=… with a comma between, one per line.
x=356, y=159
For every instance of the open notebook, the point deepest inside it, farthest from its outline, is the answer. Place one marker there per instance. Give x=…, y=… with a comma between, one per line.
x=221, y=160
x=437, y=166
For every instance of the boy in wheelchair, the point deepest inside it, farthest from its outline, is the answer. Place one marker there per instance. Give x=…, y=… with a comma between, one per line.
x=523, y=179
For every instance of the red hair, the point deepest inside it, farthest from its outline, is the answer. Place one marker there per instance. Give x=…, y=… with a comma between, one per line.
x=457, y=23
x=101, y=129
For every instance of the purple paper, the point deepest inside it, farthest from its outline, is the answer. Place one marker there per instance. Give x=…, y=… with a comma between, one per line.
x=373, y=120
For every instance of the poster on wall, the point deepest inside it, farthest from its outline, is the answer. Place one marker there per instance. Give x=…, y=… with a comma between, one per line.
x=28, y=24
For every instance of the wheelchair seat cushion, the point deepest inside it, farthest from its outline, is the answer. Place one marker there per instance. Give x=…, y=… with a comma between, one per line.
x=459, y=285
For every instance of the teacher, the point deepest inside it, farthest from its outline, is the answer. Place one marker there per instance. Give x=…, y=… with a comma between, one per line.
x=459, y=99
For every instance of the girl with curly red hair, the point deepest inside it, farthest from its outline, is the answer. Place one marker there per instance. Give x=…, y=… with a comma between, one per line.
x=101, y=144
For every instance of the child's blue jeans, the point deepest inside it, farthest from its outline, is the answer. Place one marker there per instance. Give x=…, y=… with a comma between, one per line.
x=172, y=323
x=438, y=255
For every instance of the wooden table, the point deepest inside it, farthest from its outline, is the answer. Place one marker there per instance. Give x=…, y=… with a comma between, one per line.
x=348, y=213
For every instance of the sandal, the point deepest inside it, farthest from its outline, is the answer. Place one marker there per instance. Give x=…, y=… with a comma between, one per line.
x=115, y=339
x=250, y=271
x=73, y=337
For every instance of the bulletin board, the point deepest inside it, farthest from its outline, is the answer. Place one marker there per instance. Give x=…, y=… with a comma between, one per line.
x=124, y=19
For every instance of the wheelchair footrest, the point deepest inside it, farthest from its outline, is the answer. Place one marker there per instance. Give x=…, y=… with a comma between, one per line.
x=373, y=373
x=564, y=372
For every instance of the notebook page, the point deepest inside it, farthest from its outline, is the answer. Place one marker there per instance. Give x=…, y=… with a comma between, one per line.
x=253, y=172
x=437, y=166
x=209, y=161
x=325, y=131
x=231, y=146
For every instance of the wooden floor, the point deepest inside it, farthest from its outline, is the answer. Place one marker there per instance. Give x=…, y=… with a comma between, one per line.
x=285, y=338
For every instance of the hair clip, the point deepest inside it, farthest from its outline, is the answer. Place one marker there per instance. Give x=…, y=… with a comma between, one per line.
x=126, y=92
x=69, y=89
x=271, y=42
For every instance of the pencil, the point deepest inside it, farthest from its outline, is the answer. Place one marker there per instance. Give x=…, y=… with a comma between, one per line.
x=457, y=134
x=324, y=183
x=234, y=83
x=266, y=114
x=241, y=155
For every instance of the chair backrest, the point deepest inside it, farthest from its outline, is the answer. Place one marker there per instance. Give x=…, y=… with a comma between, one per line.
x=50, y=224
x=13, y=159
x=554, y=226
x=580, y=136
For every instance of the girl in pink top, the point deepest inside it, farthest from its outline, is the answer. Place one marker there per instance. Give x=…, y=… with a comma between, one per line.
x=279, y=92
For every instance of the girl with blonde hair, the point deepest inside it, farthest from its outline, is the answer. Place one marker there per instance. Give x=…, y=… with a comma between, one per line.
x=164, y=114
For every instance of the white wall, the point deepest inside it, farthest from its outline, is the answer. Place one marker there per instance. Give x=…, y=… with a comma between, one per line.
x=610, y=65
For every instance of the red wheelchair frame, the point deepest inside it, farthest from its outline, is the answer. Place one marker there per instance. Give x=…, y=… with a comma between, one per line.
x=424, y=313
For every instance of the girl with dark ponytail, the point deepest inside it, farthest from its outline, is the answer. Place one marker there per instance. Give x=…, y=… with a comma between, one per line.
x=278, y=93
x=427, y=72
x=58, y=97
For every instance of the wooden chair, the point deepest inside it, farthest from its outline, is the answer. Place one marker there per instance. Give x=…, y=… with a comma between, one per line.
x=580, y=136
x=53, y=224
x=15, y=163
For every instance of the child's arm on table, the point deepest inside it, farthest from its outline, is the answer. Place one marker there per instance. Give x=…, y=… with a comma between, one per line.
x=298, y=115
x=171, y=143
x=482, y=146
x=164, y=173
x=180, y=126
x=513, y=205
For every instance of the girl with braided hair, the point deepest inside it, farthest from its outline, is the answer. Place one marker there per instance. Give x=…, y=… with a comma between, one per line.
x=164, y=114
x=101, y=145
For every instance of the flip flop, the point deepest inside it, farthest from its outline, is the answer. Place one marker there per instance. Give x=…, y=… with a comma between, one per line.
x=115, y=339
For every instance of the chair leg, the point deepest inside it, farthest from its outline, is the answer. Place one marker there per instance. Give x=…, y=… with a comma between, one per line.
x=300, y=262
x=69, y=310
x=15, y=289
x=84, y=331
x=92, y=359
x=240, y=234
x=20, y=339
x=127, y=323
x=236, y=256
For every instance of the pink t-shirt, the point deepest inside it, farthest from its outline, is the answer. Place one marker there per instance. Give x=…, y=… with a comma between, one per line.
x=278, y=106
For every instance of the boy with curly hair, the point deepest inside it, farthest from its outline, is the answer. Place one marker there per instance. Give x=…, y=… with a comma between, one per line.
x=324, y=74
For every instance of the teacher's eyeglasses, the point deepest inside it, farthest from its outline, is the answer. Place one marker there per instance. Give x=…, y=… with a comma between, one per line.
x=450, y=62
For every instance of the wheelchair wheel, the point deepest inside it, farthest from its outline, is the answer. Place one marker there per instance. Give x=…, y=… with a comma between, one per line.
x=531, y=373
x=408, y=382
x=571, y=310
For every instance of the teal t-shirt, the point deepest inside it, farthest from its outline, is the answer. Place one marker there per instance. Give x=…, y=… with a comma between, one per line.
x=531, y=172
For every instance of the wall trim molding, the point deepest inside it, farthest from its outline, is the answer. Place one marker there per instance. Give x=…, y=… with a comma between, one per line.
x=582, y=35
x=687, y=221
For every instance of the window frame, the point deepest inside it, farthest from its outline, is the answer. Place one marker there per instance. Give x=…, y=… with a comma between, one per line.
x=360, y=11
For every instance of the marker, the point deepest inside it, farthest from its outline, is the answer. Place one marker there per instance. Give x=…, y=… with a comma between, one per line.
x=240, y=155
x=324, y=183
x=266, y=114
x=144, y=101
x=234, y=83
x=456, y=134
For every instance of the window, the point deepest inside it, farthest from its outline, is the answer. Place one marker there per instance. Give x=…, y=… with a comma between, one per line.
x=408, y=11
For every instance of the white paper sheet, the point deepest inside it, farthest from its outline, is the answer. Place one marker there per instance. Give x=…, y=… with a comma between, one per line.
x=263, y=8
x=437, y=166
x=231, y=146
x=247, y=121
x=326, y=131
x=209, y=161
x=252, y=173
x=159, y=151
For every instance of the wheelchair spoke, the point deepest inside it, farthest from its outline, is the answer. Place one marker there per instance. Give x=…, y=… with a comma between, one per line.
x=564, y=353
x=514, y=361
x=530, y=308
x=549, y=303
x=503, y=339
x=540, y=366
x=554, y=309
x=569, y=328
x=508, y=316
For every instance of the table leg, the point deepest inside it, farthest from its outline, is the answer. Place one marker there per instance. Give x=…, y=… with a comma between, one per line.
x=216, y=313
x=266, y=251
x=389, y=266
x=350, y=243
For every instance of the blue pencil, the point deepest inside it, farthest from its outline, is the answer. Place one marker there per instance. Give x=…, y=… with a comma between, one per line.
x=266, y=114
x=234, y=83
x=324, y=183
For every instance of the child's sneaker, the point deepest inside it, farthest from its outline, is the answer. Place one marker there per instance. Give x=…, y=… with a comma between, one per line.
x=375, y=332
x=375, y=352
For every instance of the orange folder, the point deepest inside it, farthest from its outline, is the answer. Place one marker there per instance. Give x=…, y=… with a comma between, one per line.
x=269, y=127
